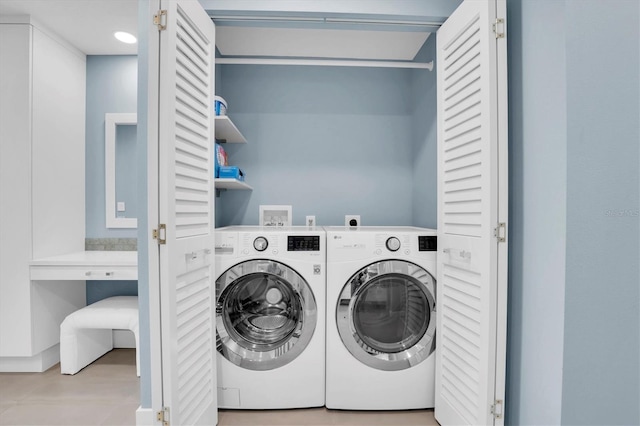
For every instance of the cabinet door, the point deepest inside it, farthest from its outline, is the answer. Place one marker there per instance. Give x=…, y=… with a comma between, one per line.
x=185, y=123
x=472, y=202
x=41, y=186
x=15, y=189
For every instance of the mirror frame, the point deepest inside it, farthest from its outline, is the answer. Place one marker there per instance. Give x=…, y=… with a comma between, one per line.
x=112, y=120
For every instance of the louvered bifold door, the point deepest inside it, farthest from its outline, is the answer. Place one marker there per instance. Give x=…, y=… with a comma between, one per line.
x=471, y=203
x=186, y=205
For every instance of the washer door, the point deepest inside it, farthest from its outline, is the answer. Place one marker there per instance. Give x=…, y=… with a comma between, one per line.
x=265, y=314
x=386, y=315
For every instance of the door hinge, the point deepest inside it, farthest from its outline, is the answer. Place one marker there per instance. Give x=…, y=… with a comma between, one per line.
x=498, y=28
x=496, y=409
x=163, y=416
x=160, y=234
x=500, y=232
x=160, y=20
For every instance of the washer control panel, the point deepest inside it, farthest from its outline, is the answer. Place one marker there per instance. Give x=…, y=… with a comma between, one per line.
x=303, y=243
x=393, y=243
x=260, y=244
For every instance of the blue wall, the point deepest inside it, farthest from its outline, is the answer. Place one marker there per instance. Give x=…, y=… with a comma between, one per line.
x=574, y=326
x=601, y=380
x=98, y=290
x=537, y=211
x=328, y=140
x=111, y=87
x=424, y=138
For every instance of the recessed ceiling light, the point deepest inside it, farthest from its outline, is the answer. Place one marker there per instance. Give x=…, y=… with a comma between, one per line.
x=125, y=37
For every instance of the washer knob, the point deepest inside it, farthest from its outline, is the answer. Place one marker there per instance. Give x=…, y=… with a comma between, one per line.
x=393, y=244
x=260, y=244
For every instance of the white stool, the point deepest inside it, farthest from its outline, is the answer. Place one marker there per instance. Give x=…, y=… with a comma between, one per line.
x=87, y=334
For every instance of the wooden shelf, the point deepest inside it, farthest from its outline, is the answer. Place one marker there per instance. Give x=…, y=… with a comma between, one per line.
x=228, y=183
x=227, y=132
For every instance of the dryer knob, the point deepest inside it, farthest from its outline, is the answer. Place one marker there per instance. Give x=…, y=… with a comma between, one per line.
x=260, y=244
x=393, y=244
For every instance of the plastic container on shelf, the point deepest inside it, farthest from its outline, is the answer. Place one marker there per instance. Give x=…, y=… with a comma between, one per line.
x=220, y=105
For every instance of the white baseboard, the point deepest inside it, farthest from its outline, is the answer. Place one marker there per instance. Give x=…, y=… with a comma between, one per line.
x=31, y=364
x=145, y=417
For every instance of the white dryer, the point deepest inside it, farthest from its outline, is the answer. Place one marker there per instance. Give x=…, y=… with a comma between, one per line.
x=270, y=291
x=381, y=319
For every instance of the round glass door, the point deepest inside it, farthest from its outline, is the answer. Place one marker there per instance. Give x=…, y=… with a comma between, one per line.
x=265, y=314
x=386, y=315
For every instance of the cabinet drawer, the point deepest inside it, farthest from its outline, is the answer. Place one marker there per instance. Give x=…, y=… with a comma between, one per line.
x=103, y=273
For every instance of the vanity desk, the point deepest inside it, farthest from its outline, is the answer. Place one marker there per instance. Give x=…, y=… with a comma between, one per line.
x=86, y=265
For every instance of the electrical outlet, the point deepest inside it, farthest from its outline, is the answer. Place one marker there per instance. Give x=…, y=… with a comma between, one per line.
x=352, y=220
x=311, y=221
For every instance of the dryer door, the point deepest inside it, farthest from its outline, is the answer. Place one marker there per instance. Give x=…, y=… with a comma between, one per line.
x=386, y=315
x=266, y=314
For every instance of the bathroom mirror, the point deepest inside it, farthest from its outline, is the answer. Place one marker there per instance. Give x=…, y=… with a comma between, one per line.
x=120, y=170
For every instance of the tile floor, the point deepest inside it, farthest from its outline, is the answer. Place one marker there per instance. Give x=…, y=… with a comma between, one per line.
x=107, y=393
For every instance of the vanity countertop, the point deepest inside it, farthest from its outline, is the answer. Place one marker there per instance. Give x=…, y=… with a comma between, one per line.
x=86, y=265
x=90, y=258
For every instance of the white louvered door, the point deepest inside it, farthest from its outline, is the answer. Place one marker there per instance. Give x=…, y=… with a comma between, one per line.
x=472, y=201
x=186, y=206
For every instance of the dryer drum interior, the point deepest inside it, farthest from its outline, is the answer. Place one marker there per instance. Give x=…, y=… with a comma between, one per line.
x=266, y=314
x=392, y=313
x=386, y=315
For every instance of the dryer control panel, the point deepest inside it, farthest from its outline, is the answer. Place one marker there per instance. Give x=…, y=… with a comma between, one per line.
x=427, y=243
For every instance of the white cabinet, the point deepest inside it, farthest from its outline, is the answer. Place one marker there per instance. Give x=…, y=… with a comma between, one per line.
x=42, y=211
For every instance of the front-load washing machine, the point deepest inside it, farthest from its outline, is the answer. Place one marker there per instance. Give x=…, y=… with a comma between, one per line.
x=270, y=317
x=381, y=322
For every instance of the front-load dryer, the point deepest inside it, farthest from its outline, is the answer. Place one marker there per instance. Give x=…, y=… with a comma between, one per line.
x=270, y=317
x=381, y=322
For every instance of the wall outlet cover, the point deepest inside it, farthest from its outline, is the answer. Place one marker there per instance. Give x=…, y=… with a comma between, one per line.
x=352, y=220
x=310, y=221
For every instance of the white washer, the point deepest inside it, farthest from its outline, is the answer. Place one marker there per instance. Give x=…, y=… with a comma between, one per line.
x=270, y=291
x=381, y=318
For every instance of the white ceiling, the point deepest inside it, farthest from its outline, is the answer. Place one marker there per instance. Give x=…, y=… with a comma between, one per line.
x=86, y=24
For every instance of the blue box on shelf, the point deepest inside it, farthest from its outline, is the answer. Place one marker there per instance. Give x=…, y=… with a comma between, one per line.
x=232, y=172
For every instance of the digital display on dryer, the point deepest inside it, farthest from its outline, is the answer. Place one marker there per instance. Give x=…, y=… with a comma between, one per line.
x=427, y=243
x=303, y=243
